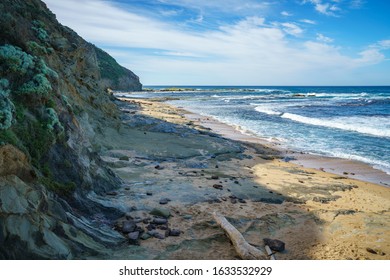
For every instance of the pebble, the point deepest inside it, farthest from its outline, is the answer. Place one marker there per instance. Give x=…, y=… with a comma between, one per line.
x=159, y=221
x=164, y=201
x=218, y=187
x=174, y=232
x=128, y=226
x=187, y=217
x=133, y=236
x=145, y=236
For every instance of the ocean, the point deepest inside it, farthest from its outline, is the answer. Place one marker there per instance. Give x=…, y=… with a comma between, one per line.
x=343, y=122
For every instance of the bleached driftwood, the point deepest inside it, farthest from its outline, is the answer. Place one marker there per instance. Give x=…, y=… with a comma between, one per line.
x=243, y=248
x=269, y=252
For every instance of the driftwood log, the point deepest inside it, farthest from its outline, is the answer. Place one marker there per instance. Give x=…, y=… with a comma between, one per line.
x=243, y=248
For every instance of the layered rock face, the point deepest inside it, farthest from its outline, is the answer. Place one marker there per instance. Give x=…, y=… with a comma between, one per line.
x=53, y=104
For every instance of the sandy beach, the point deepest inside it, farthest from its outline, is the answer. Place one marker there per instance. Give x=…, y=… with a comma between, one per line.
x=199, y=166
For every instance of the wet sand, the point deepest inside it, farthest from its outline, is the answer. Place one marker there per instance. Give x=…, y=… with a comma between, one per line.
x=181, y=156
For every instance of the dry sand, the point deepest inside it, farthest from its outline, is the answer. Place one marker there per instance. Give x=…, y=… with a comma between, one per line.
x=319, y=215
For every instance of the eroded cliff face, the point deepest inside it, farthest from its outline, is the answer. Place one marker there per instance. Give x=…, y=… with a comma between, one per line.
x=53, y=105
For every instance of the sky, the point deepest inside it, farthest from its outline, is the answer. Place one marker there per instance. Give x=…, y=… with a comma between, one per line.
x=239, y=42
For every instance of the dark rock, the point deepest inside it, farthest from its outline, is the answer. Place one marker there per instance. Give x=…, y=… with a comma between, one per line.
x=161, y=212
x=128, y=226
x=159, y=221
x=149, y=193
x=174, y=232
x=133, y=236
x=216, y=166
x=236, y=182
x=275, y=244
x=241, y=200
x=233, y=200
x=214, y=177
x=163, y=227
x=126, y=158
x=187, y=217
x=145, y=236
x=372, y=251
x=158, y=167
x=150, y=227
x=218, y=187
x=164, y=201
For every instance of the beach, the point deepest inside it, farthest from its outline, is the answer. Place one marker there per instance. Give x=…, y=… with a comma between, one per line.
x=193, y=166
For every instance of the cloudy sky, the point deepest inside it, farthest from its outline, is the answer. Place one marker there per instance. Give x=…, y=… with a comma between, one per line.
x=239, y=42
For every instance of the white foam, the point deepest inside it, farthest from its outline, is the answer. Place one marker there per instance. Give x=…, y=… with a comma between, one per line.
x=268, y=111
x=377, y=126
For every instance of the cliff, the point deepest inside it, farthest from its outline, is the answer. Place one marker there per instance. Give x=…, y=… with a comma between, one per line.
x=53, y=106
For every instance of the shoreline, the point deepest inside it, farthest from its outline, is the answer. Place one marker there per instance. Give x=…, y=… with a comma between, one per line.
x=344, y=167
x=339, y=166
x=319, y=215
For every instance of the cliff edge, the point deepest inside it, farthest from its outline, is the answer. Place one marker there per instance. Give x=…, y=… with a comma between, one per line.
x=53, y=106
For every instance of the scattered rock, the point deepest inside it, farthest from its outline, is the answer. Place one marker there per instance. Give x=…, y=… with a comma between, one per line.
x=159, y=221
x=214, y=177
x=372, y=251
x=150, y=227
x=174, y=232
x=164, y=201
x=133, y=236
x=161, y=212
x=217, y=186
x=274, y=244
x=128, y=226
x=145, y=236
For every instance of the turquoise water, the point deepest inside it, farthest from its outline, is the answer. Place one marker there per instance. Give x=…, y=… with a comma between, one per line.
x=345, y=122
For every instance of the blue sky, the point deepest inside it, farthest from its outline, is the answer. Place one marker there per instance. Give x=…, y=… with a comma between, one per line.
x=246, y=42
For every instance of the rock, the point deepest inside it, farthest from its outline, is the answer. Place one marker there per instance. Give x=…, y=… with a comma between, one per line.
x=149, y=193
x=217, y=186
x=145, y=236
x=163, y=227
x=372, y=251
x=241, y=200
x=158, y=167
x=128, y=226
x=214, y=177
x=187, y=217
x=159, y=221
x=133, y=236
x=161, y=212
x=174, y=232
x=236, y=182
x=164, y=201
x=275, y=244
x=125, y=158
x=150, y=227
x=156, y=234
x=233, y=200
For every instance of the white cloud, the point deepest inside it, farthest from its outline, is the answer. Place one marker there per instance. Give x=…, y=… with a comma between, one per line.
x=292, y=29
x=249, y=51
x=286, y=14
x=323, y=38
x=308, y=21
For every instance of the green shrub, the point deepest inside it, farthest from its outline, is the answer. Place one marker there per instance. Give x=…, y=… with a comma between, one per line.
x=41, y=67
x=54, y=123
x=35, y=48
x=40, y=32
x=39, y=86
x=14, y=60
x=7, y=108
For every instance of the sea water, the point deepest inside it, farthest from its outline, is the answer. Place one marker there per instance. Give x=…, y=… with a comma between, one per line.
x=344, y=122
